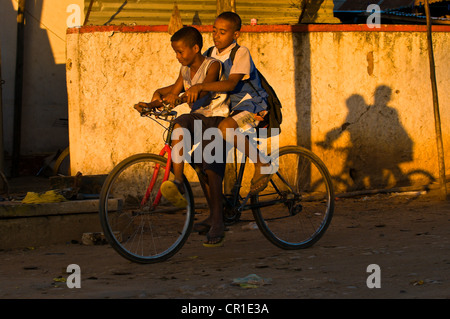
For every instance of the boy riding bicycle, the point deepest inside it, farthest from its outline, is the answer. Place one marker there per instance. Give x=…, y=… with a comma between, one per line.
x=248, y=101
x=209, y=109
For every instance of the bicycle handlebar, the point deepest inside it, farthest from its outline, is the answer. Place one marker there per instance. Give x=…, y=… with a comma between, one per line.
x=158, y=107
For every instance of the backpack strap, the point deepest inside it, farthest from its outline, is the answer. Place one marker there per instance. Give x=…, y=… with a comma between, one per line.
x=232, y=53
x=209, y=51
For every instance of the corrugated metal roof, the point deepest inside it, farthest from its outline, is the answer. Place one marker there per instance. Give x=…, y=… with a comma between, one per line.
x=268, y=11
x=199, y=12
x=398, y=11
x=361, y=5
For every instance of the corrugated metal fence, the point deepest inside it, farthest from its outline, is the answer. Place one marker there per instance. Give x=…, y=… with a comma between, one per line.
x=197, y=12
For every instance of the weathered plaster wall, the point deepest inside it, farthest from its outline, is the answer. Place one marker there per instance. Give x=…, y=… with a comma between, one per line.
x=359, y=99
x=44, y=99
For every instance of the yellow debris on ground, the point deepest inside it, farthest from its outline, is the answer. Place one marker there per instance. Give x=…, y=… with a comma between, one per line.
x=47, y=197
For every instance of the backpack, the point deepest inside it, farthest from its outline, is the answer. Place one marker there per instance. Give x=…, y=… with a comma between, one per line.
x=274, y=116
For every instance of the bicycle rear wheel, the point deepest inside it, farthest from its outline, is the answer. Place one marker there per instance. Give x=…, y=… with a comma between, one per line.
x=293, y=215
x=138, y=223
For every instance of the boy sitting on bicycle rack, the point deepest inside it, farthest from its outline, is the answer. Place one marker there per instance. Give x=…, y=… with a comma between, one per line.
x=209, y=108
x=248, y=100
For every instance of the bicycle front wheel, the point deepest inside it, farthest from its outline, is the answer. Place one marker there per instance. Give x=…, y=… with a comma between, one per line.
x=137, y=221
x=291, y=212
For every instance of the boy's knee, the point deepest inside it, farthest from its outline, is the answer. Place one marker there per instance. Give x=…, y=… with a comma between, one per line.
x=222, y=125
x=226, y=126
x=176, y=137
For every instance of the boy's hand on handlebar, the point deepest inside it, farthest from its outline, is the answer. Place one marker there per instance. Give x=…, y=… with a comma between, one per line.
x=140, y=106
x=157, y=96
x=174, y=100
x=144, y=106
x=171, y=99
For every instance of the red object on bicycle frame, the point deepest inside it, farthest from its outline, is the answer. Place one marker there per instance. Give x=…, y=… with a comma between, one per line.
x=168, y=150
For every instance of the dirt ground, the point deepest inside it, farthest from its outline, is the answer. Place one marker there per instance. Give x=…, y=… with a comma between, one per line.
x=406, y=235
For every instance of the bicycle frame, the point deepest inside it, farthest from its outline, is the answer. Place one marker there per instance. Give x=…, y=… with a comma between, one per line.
x=238, y=184
x=165, y=150
x=168, y=150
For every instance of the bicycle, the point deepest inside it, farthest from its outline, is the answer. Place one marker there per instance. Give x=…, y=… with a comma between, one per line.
x=143, y=227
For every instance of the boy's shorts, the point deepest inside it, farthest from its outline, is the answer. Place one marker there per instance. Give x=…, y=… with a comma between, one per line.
x=187, y=121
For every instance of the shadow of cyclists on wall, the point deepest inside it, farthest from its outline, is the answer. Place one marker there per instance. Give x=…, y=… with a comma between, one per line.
x=379, y=144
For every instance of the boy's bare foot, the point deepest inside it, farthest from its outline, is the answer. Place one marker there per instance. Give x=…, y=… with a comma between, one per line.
x=259, y=181
x=214, y=238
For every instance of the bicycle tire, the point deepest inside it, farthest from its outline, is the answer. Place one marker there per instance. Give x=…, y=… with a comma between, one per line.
x=301, y=217
x=143, y=233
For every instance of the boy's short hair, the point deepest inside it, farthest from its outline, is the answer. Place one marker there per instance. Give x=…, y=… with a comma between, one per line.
x=233, y=18
x=190, y=35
